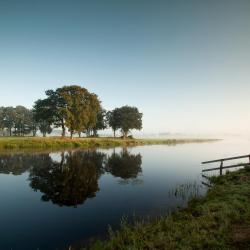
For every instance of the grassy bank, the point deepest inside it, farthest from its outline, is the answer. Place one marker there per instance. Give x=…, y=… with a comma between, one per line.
x=57, y=142
x=220, y=220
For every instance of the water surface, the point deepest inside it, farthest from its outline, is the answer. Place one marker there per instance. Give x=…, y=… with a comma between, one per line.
x=55, y=199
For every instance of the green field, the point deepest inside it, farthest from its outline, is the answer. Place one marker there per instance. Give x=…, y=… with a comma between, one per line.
x=58, y=142
x=220, y=220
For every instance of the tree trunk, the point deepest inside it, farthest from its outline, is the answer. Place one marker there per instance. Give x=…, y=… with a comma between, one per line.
x=10, y=131
x=44, y=134
x=125, y=134
x=34, y=132
x=63, y=130
x=114, y=133
x=71, y=134
x=79, y=134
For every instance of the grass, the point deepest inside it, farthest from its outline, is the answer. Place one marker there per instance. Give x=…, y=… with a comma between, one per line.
x=220, y=220
x=58, y=142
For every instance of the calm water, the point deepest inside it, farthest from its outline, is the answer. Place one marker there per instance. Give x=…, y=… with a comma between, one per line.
x=53, y=200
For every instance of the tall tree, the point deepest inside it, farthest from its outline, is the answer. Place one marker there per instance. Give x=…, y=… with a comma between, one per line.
x=43, y=115
x=81, y=108
x=58, y=108
x=130, y=118
x=101, y=122
x=94, y=109
x=114, y=120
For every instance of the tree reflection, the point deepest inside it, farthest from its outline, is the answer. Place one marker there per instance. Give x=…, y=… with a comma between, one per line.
x=16, y=164
x=124, y=165
x=73, y=177
x=71, y=181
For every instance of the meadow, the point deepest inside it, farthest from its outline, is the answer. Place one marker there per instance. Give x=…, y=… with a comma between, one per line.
x=60, y=143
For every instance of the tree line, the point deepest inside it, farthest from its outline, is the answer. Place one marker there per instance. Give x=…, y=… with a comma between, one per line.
x=71, y=108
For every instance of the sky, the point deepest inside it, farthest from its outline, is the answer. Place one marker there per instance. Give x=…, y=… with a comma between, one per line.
x=184, y=64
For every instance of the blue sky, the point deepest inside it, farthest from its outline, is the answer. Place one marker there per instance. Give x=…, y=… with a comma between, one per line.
x=184, y=64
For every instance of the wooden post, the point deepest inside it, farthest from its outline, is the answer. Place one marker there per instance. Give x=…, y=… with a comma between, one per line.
x=221, y=165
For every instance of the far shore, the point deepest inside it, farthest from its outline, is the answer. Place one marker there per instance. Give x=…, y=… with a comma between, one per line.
x=103, y=142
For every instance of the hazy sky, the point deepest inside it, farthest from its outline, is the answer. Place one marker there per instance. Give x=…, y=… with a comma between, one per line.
x=184, y=64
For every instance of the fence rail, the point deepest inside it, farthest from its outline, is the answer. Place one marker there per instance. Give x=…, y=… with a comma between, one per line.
x=221, y=167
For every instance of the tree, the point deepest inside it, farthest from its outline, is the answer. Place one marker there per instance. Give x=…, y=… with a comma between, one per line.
x=101, y=122
x=17, y=121
x=114, y=120
x=34, y=124
x=22, y=120
x=2, y=120
x=81, y=108
x=58, y=107
x=9, y=118
x=43, y=115
x=94, y=109
x=130, y=118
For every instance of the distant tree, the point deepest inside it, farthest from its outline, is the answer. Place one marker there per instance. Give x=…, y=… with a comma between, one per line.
x=9, y=118
x=2, y=120
x=114, y=119
x=34, y=124
x=22, y=121
x=18, y=120
x=43, y=116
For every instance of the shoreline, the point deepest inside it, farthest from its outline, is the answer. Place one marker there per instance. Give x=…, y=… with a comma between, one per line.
x=7, y=143
x=219, y=220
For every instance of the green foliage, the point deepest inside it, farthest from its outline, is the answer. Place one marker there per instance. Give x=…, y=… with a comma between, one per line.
x=101, y=122
x=58, y=108
x=43, y=116
x=125, y=118
x=113, y=119
x=72, y=107
x=80, y=108
x=131, y=118
x=17, y=121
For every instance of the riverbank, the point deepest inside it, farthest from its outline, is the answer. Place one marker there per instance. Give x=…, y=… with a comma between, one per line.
x=220, y=220
x=58, y=142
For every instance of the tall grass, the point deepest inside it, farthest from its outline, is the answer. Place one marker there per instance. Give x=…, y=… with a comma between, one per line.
x=221, y=220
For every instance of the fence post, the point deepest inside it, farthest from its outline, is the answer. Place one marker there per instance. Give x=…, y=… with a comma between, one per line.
x=221, y=165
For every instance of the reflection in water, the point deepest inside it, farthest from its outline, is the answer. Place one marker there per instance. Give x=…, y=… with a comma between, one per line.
x=71, y=181
x=73, y=178
x=124, y=165
x=16, y=164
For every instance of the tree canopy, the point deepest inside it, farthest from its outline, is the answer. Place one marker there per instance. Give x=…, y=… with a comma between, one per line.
x=125, y=119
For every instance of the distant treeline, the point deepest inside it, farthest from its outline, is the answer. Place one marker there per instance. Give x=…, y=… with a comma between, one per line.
x=71, y=108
